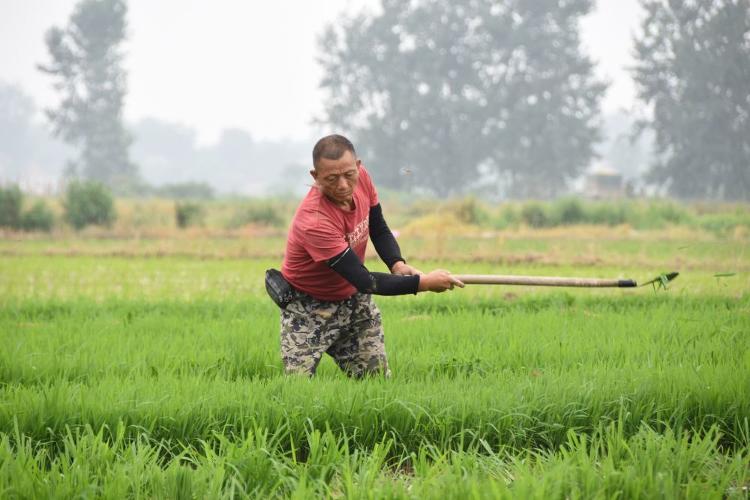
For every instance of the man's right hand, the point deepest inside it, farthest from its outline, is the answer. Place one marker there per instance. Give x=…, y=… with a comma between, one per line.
x=438, y=281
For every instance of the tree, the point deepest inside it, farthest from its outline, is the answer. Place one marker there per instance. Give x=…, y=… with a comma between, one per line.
x=86, y=62
x=16, y=144
x=449, y=91
x=11, y=202
x=28, y=154
x=693, y=71
x=169, y=154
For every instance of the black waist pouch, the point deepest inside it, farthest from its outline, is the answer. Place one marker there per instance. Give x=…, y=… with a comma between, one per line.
x=278, y=288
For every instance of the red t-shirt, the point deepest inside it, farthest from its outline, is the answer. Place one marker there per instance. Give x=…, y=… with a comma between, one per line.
x=321, y=230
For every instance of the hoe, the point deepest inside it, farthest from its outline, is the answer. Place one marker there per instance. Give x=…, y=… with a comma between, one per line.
x=497, y=279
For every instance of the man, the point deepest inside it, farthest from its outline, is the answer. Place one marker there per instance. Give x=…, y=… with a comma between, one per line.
x=332, y=310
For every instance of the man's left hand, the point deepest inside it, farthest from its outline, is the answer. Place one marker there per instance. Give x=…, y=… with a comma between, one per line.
x=404, y=269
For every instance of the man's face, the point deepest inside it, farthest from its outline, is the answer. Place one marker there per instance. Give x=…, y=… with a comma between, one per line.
x=338, y=178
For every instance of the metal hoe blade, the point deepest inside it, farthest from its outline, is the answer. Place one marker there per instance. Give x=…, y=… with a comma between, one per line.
x=662, y=279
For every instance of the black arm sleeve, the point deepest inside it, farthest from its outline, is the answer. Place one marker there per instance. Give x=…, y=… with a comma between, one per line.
x=348, y=265
x=382, y=238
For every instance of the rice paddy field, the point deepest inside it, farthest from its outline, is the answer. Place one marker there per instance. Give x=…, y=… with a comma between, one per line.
x=149, y=368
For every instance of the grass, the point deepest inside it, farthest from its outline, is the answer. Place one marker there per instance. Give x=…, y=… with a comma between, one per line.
x=581, y=248
x=606, y=464
x=129, y=375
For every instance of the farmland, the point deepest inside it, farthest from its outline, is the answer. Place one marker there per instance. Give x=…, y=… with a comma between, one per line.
x=149, y=367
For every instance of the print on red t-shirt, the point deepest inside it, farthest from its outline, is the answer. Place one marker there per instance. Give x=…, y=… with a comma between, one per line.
x=321, y=230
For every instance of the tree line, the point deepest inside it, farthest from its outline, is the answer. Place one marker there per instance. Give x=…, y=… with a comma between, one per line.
x=471, y=96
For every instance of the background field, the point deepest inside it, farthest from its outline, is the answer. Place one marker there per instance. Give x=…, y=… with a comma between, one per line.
x=149, y=367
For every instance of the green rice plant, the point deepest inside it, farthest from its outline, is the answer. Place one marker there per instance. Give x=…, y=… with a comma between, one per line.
x=160, y=377
x=603, y=464
x=546, y=367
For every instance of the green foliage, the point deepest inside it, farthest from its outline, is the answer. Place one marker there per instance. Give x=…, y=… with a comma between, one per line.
x=534, y=215
x=508, y=216
x=638, y=214
x=693, y=69
x=38, y=218
x=86, y=63
x=263, y=213
x=11, y=201
x=188, y=214
x=469, y=211
x=610, y=214
x=569, y=211
x=89, y=203
x=721, y=220
x=432, y=90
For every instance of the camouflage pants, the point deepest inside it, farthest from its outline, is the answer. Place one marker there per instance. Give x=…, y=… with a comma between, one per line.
x=350, y=331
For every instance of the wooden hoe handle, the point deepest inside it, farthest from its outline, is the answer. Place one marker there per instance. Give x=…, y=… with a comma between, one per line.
x=498, y=279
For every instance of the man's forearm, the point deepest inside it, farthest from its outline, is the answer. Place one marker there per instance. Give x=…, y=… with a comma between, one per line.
x=382, y=238
x=348, y=265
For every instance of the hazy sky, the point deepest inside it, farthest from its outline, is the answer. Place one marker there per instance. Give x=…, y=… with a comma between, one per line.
x=246, y=64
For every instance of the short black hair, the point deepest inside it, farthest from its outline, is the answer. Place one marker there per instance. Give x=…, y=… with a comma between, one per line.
x=332, y=147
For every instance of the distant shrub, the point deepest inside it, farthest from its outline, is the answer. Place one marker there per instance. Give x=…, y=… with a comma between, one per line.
x=264, y=214
x=607, y=214
x=569, y=211
x=11, y=200
x=89, y=203
x=469, y=211
x=508, y=216
x=38, y=218
x=188, y=214
x=534, y=215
